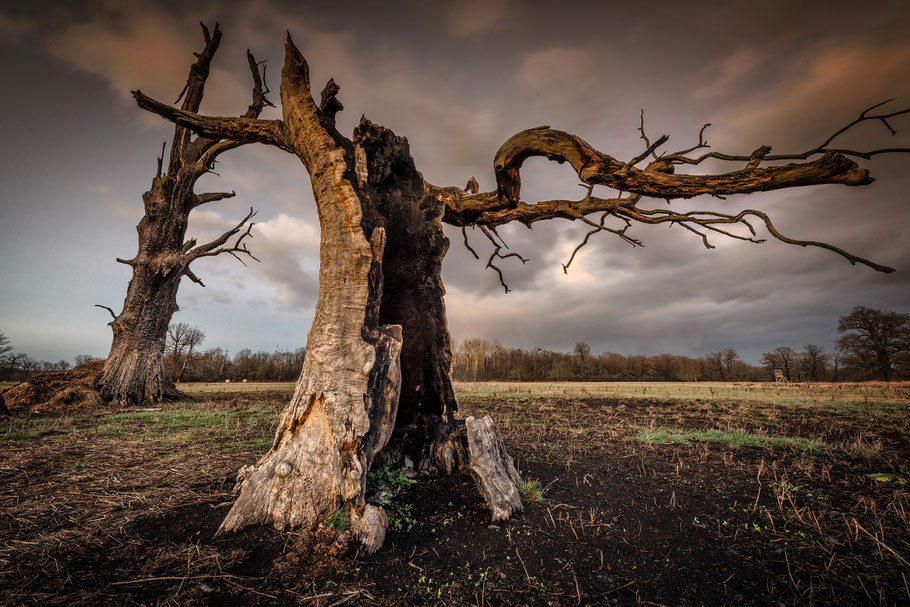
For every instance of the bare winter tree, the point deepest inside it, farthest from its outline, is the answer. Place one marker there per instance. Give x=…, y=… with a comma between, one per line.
x=783, y=358
x=181, y=336
x=875, y=341
x=134, y=370
x=814, y=362
x=5, y=349
x=375, y=384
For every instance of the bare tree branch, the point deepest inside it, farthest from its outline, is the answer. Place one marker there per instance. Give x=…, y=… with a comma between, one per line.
x=214, y=148
x=467, y=245
x=658, y=179
x=650, y=149
x=192, y=94
x=681, y=158
x=189, y=274
x=594, y=167
x=114, y=316
x=245, y=130
x=216, y=247
x=498, y=245
x=214, y=196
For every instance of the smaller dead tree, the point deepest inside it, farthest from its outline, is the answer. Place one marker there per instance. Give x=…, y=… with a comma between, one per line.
x=134, y=370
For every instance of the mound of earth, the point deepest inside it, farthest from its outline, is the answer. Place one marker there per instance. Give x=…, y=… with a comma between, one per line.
x=71, y=390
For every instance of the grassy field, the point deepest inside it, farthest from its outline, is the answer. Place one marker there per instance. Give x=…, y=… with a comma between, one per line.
x=635, y=493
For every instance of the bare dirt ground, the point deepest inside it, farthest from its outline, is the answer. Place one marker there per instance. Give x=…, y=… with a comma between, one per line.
x=779, y=495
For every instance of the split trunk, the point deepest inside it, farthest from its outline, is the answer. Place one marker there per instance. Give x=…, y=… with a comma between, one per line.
x=375, y=384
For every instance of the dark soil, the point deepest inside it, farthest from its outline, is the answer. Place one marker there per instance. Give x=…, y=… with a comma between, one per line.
x=621, y=521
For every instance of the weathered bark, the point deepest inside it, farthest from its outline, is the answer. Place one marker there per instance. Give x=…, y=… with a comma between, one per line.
x=345, y=402
x=134, y=370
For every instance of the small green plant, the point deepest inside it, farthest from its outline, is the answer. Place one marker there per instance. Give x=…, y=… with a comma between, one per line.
x=393, y=478
x=386, y=483
x=531, y=490
x=898, y=474
x=401, y=517
x=83, y=464
x=340, y=521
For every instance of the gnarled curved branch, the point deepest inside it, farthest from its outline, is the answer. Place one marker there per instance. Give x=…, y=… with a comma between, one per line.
x=597, y=168
x=658, y=179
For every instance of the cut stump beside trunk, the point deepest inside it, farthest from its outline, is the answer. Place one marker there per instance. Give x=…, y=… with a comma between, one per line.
x=492, y=468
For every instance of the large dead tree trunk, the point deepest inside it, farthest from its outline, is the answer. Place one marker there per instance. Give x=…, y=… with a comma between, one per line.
x=134, y=370
x=379, y=307
x=375, y=383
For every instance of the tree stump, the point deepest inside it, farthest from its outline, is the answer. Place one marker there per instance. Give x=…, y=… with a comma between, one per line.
x=493, y=469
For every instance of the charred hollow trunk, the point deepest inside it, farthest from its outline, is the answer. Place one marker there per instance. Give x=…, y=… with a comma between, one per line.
x=412, y=297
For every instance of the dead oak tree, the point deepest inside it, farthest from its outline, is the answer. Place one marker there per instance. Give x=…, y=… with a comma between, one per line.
x=375, y=384
x=134, y=370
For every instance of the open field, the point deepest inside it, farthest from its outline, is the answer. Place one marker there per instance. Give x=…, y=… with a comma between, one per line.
x=636, y=493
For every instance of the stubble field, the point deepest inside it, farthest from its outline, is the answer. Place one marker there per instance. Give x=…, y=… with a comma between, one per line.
x=635, y=494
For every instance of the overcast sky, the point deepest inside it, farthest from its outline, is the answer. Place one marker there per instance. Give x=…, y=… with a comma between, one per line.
x=457, y=79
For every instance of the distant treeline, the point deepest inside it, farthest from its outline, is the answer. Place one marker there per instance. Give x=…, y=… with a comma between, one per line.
x=874, y=344
x=216, y=365
x=487, y=360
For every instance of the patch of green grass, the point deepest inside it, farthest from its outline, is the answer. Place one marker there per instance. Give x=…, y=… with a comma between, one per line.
x=746, y=439
x=20, y=436
x=259, y=444
x=340, y=521
x=531, y=490
x=899, y=474
x=660, y=437
x=83, y=464
x=730, y=438
x=887, y=477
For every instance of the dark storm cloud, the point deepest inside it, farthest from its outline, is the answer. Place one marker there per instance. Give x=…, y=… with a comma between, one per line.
x=458, y=79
